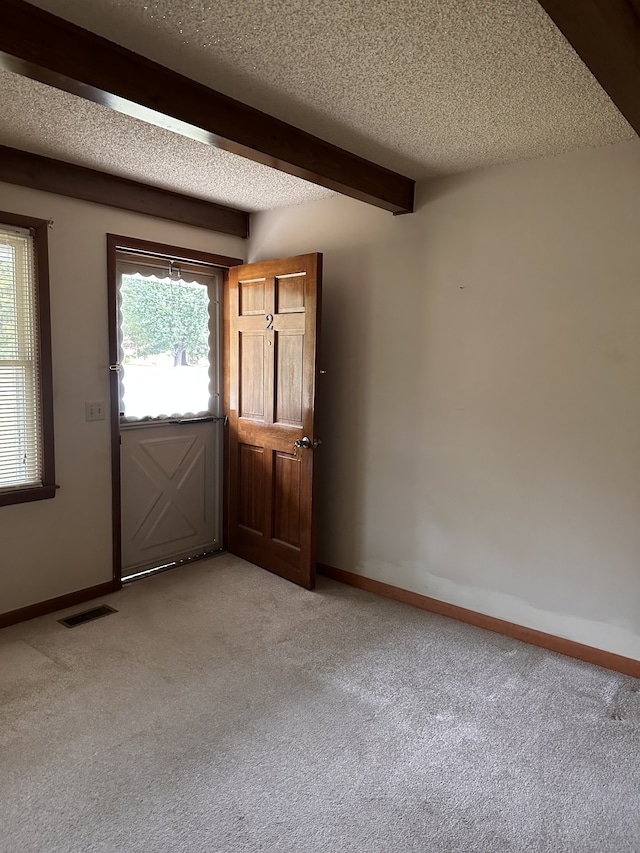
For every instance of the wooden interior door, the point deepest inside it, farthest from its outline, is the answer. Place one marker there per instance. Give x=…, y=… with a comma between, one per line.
x=272, y=323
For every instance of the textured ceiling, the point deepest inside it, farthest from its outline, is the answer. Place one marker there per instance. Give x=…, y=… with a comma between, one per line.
x=36, y=118
x=426, y=87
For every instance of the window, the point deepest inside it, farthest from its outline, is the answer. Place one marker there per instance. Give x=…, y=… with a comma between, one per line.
x=169, y=337
x=26, y=407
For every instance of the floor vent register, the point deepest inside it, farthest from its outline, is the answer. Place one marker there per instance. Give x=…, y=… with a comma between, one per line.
x=87, y=616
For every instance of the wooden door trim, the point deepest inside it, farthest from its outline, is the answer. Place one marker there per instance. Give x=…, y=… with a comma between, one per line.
x=174, y=253
x=114, y=410
x=115, y=242
x=226, y=354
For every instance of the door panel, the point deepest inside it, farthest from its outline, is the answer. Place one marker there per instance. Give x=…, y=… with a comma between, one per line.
x=170, y=494
x=252, y=384
x=290, y=294
x=289, y=378
x=286, y=499
x=252, y=297
x=250, y=487
x=272, y=333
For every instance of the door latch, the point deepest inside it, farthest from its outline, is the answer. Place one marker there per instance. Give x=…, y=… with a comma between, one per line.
x=306, y=443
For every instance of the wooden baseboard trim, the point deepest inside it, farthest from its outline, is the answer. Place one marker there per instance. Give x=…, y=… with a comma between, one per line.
x=609, y=660
x=42, y=608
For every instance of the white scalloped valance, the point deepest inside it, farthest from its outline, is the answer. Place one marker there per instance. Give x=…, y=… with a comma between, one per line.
x=157, y=395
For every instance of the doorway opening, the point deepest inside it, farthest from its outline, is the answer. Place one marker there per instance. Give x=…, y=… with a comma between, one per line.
x=166, y=404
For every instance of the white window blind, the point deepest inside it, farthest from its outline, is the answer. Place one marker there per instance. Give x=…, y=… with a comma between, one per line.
x=20, y=414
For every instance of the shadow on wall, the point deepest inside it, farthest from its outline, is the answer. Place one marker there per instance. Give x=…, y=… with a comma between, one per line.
x=394, y=421
x=374, y=328
x=432, y=190
x=342, y=404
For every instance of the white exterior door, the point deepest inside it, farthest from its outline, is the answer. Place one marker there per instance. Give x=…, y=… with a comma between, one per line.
x=171, y=426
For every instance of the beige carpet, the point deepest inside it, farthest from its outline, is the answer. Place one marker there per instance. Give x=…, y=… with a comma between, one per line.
x=223, y=709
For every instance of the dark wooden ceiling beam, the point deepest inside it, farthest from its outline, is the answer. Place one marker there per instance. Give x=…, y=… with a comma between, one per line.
x=45, y=47
x=606, y=36
x=55, y=176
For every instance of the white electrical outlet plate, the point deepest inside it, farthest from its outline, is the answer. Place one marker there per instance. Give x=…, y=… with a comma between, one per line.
x=94, y=411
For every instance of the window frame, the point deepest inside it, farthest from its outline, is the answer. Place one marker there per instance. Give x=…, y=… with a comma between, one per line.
x=39, y=231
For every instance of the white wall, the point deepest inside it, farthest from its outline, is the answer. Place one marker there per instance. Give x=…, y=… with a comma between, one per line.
x=53, y=547
x=481, y=410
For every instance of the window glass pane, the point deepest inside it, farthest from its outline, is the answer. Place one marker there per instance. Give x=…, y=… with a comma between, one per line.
x=8, y=301
x=20, y=438
x=165, y=346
